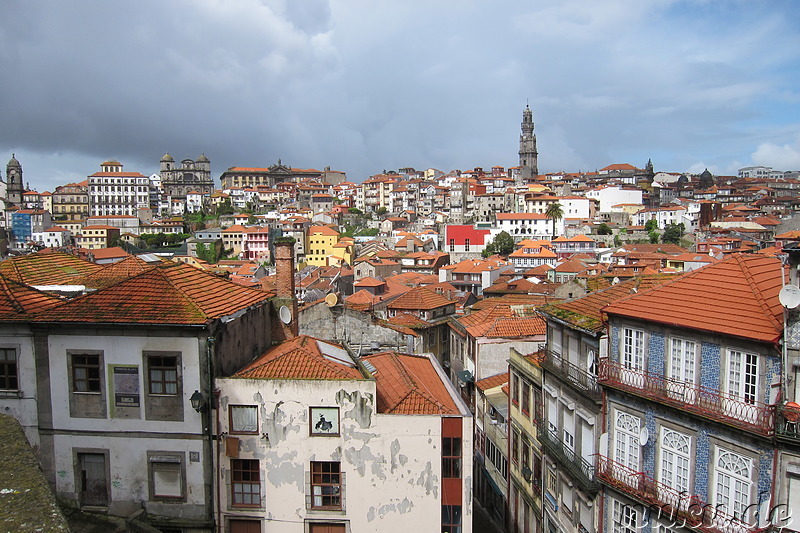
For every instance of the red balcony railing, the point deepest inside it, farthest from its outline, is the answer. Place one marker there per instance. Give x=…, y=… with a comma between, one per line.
x=668, y=504
x=709, y=403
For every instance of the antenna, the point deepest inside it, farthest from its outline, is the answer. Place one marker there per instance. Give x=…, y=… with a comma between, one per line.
x=789, y=296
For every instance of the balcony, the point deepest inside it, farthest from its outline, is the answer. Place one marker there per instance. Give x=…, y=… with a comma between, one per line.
x=582, y=471
x=669, y=504
x=725, y=408
x=579, y=378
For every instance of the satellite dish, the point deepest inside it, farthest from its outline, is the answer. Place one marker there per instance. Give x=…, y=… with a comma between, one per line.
x=331, y=300
x=644, y=434
x=615, y=280
x=285, y=314
x=789, y=296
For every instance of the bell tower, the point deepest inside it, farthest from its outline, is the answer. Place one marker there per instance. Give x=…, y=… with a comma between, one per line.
x=528, y=156
x=14, y=177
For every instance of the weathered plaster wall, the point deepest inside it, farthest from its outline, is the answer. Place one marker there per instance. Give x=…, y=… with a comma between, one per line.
x=22, y=406
x=391, y=463
x=493, y=354
x=345, y=325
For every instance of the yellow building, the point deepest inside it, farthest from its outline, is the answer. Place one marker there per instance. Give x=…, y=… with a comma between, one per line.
x=94, y=237
x=321, y=244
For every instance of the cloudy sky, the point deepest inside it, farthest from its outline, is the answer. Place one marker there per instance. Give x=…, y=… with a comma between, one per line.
x=367, y=85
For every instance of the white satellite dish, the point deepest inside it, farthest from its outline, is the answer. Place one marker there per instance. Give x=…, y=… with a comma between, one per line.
x=644, y=435
x=285, y=314
x=789, y=296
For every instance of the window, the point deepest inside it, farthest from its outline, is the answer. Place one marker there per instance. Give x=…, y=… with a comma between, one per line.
x=633, y=349
x=8, y=369
x=515, y=446
x=451, y=519
x=682, y=360
x=626, y=440
x=526, y=397
x=742, y=375
x=326, y=485
x=166, y=476
x=245, y=483
x=623, y=519
x=675, y=457
x=85, y=372
x=466, y=245
x=451, y=457
x=163, y=372
x=732, y=483
x=514, y=390
x=243, y=419
x=452, y=245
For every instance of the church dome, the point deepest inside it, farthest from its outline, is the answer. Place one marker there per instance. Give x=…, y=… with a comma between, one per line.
x=13, y=161
x=167, y=157
x=203, y=159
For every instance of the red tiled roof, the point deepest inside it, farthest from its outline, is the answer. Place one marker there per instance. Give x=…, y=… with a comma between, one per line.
x=18, y=301
x=737, y=297
x=410, y=385
x=584, y=313
x=420, y=298
x=299, y=358
x=51, y=268
x=169, y=293
x=492, y=381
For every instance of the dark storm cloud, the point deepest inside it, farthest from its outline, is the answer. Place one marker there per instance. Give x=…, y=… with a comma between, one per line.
x=364, y=86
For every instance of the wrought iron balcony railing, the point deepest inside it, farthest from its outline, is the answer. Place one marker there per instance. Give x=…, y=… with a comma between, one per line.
x=746, y=414
x=582, y=471
x=679, y=507
x=580, y=378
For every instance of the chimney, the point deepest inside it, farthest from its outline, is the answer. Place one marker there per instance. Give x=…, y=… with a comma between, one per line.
x=284, y=274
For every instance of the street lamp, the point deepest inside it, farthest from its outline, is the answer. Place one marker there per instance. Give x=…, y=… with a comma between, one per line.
x=198, y=401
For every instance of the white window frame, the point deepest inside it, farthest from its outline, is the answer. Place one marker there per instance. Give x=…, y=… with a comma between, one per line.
x=624, y=518
x=626, y=440
x=633, y=348
x=733, y=482
x=675, y=450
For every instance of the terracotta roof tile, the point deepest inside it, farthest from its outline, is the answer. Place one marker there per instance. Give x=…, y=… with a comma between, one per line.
x=492, y=381
x=737, y=297
x=18, y=301
x=170, y=293
x=420, y=298
x=410, y=385
x=51, y=268
x=299, y=358
x=584, y=312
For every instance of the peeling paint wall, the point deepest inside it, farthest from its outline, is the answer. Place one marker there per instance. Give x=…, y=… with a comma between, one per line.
x=356, y=328
x=22, y=406
x=391, y=463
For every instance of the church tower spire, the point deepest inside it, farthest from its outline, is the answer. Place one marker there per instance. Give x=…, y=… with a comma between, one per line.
x=528, y=156
x=15, y=187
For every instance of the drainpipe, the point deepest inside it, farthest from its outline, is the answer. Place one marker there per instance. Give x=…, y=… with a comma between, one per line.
x=210, y=418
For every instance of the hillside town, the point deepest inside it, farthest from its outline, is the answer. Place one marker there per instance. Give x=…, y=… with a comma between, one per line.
x=493, y=349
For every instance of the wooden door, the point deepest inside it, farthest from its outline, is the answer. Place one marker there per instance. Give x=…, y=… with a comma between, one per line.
x=94, y=479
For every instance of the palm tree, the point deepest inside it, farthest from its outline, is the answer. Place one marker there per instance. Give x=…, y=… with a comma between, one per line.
x=554, y=212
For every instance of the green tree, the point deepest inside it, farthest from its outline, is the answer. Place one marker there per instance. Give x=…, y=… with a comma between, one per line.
x=502, y=244
x=554, y=212
x=381, y=211
x=617, y=241
x=672, y=234
x=653, y=237
x=651, y=225
x=355, y=211
x=604, y=229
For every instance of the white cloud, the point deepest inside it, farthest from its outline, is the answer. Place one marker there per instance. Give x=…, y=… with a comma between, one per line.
x=779, y=157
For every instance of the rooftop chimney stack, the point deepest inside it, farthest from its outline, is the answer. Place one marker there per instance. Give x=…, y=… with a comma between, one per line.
x=284, y=274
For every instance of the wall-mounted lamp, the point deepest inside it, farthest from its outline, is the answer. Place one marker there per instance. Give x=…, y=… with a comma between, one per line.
x=198, y=401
